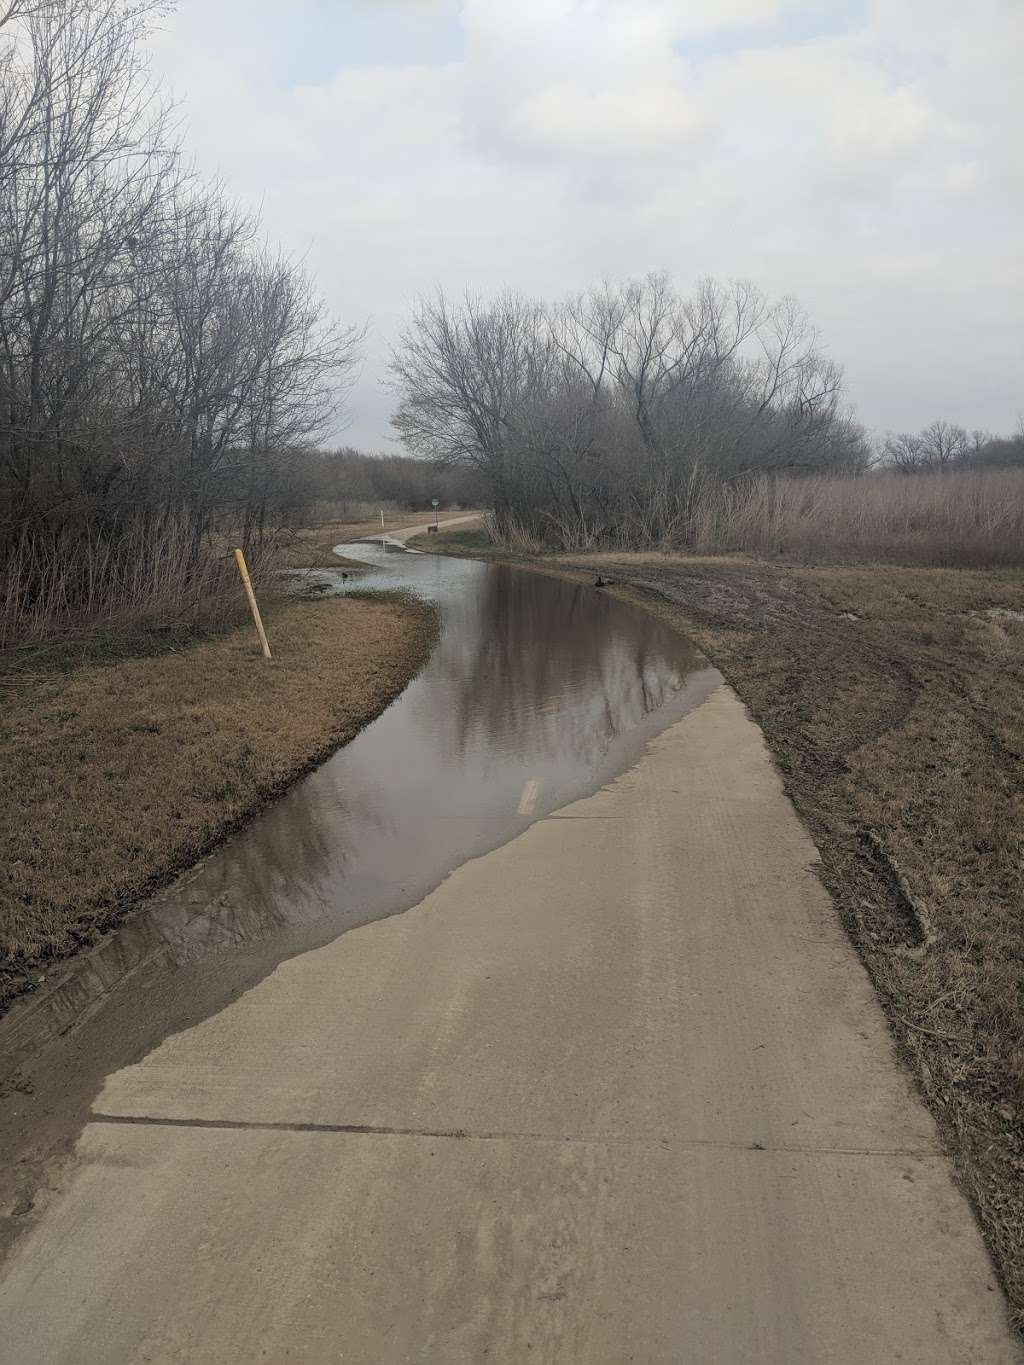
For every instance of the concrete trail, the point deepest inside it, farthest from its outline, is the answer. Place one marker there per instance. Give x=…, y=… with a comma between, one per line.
x=617, y=1091
x=402, y=535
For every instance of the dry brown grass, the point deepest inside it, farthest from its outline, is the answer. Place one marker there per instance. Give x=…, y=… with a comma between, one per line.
x=117, y=775
x=147, y=575
x=472, y=539
x=956, y=519
x=893, y=700
x=313, y=548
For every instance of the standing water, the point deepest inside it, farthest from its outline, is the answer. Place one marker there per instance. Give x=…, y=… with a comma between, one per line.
x=538, y=692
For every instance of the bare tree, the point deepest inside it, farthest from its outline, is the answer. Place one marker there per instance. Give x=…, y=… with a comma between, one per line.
x=465, y=379
x=156, y=358
x=941, y=445
x=587, y=415
x=944, y=444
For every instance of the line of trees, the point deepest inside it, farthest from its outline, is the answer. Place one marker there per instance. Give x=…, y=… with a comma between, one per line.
x=159, y=363
x=945, y=445
x=598, y=419
x=333, y=483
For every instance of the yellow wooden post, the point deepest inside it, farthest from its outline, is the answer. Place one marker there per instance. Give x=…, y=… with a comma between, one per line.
x=247, y=584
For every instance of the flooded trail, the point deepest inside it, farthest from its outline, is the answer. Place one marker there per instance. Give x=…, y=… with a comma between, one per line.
x=538, y=692
x=617, y=1088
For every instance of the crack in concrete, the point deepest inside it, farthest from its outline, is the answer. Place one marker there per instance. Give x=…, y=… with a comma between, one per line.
x=463, y=1134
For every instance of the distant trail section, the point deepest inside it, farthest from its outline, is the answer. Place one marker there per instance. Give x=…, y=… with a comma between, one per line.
x=400, y=538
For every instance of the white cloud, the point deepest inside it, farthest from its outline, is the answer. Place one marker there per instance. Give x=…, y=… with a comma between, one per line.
x=887, y=123
x=867, y=164
x=628, y=121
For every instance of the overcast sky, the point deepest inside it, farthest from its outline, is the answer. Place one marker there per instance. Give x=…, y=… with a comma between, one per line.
x=864, y=156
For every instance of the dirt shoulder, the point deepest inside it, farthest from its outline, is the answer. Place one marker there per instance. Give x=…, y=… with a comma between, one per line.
x=120, y=774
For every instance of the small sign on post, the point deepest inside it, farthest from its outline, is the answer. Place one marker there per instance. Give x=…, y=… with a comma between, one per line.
x=247, y=584
x=434, y=504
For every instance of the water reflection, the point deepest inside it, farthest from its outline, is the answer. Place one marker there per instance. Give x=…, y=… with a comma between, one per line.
x=544, y=673
x=533, y=681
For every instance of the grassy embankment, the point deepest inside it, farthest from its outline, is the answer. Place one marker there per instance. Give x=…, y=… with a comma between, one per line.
x=123, y=765
x=893, y=701
x=471, y=540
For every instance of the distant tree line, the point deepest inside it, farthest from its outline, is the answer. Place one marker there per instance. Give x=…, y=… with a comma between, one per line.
x=328, y=483
x=160, y=365
x=602, y=417
x=946, y=446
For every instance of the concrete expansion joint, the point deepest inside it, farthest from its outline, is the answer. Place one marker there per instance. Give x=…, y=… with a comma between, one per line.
x=544, y=820
x=512, y=1135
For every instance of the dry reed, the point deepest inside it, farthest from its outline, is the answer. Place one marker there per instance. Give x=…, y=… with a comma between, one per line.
x=954, y=520
x=961, y=519
x=148, y=574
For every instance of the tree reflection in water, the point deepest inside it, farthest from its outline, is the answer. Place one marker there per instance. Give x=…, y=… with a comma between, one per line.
x=543, y=673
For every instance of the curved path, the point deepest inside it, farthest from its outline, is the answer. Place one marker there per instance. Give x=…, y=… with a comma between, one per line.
x=619, y=1090
x=400, y=537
